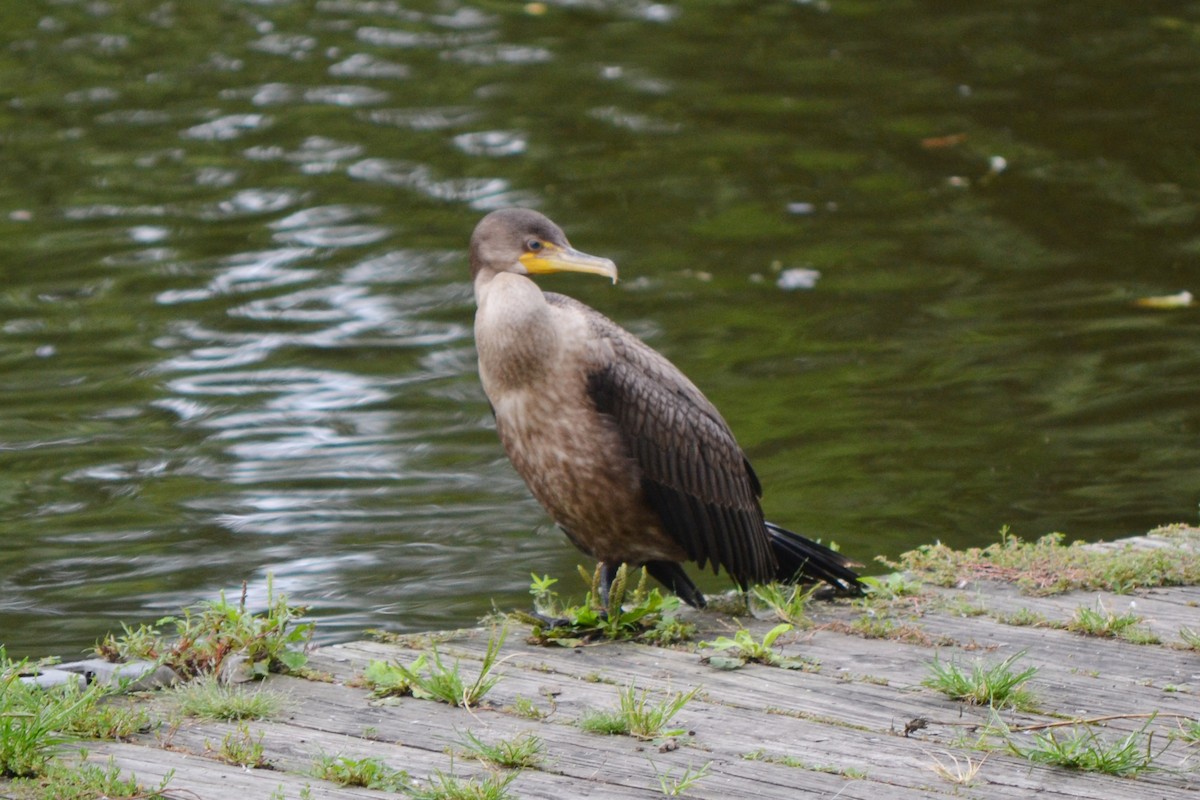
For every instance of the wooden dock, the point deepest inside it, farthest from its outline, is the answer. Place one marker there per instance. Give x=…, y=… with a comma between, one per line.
x=835, y=730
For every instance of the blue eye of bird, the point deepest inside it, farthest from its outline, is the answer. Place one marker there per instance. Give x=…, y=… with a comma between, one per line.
x=534, y=245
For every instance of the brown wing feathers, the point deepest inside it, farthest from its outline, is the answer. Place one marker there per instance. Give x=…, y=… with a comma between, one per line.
x=694, y=475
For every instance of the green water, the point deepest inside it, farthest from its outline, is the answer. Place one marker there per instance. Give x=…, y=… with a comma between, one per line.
x=235, y=321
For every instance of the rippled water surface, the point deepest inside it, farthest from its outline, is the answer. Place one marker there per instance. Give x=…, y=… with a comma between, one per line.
x=899, y=244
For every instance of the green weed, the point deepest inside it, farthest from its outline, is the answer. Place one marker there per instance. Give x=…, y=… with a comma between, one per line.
x=891, y=587
x=440, y=786
x=631, y=613
x=36, y=722
x=205, y=635
x=240, y=748
x=90, y=781
x=799, y=763
x=524, y=707
x=1048, y=566
x=516, y=753
x=1189, y=731
x=387, y=679
x=743, y=648
x=1082, y=748
x=369, y=773
x=208, y=698
x=1106, y=624
x=674, y=787
x=997, y=686
x=788, y=602
x=434, y=680
x=637, y=716
x=1190, y=638
x=1022, y=617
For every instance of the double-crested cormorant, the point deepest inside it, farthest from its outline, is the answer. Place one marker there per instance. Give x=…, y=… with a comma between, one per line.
x=624, y=452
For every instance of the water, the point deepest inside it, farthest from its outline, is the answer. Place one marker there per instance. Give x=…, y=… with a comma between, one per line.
x=898, y=244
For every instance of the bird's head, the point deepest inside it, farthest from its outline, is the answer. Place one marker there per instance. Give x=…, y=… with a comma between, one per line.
x=525, y=242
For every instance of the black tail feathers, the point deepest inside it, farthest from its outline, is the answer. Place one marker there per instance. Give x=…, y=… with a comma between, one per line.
x=802, y=559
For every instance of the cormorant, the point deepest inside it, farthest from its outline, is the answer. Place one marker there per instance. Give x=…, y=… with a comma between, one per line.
x=624, y=452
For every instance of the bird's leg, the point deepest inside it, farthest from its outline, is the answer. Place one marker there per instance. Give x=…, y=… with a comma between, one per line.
x=674, y=578
x=608, y=571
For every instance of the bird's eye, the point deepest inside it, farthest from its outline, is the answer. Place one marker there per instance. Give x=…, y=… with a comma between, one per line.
x=533, y=245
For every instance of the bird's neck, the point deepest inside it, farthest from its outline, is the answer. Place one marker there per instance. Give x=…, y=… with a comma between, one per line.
x=514, y=331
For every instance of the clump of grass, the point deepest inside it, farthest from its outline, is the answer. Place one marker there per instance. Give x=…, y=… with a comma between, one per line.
x=1022, y=617
x=787, y=601
x=1082, y=748
x=1189, y=731
x=997, y=686
x=890, y=587
x=389, y=679
x=369, y=773
x=34, y=722
x=524, y=707
x=1190, y=637
x=743, y=649
x=632, y=612
x=1048, y=566
x=637, y=715
x=90, y=781
x=440, y=786
x=435, y=680
x=109, y=717
x=516, y=753
x=204, y=635
x=799, y=763
x=674, y=787
x=961, y=773
x=241, y=748
x=208, y=698
x=1101, y=622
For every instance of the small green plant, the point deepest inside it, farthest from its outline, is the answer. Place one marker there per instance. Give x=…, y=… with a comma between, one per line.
x=1048, y=566
x=891, y=587
x=208, y=698
x=674, y=787
x=1190, y=638
x=205, y=635
x=1022, y=617
x=743, y=648
x=637, y=716
x=108, y=717
x=1082, y=748
x=434, y=680
x=788, y=601
x=798, y=763
x=388, y=679
x=516, y=753
x=997, y=686
x=638, y=613
x=1106, y=624
x=524, y=707
x=240, y=748
x=90, y=781
x=35, y=722
x=608, y=722
x=1189, y=731
x=369, y=773
x=440, y=786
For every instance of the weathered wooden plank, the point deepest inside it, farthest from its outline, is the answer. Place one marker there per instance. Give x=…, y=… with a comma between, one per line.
x=760, y=732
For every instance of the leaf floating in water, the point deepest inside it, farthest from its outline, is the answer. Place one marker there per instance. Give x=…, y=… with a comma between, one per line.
x=797, y=278
x=1181, y=300
x=943, y=142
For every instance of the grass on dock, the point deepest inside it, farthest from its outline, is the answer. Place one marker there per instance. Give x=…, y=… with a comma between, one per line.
x=1021, y=668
